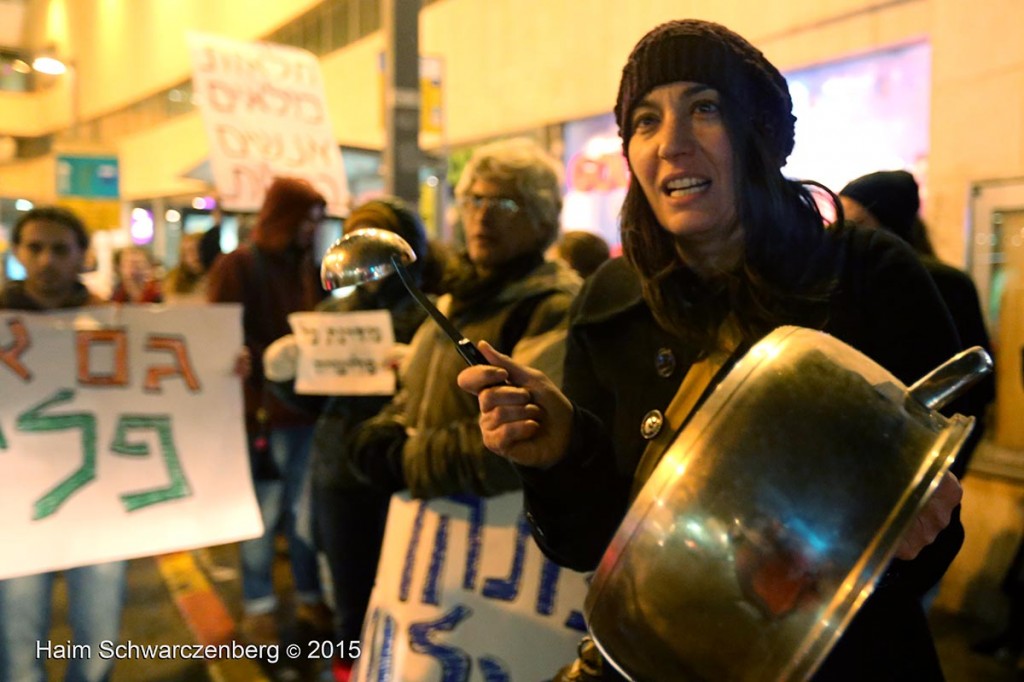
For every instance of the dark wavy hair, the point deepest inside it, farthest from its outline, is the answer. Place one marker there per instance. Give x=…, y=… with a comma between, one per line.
x=787, y=270
x=53, y=214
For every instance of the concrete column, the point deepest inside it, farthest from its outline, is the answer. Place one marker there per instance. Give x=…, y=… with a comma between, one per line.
x=402, y=158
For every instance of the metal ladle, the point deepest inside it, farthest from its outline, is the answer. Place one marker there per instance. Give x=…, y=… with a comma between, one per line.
x=369, y=254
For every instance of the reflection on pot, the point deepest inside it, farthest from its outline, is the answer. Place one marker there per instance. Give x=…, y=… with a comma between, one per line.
x=773, y=513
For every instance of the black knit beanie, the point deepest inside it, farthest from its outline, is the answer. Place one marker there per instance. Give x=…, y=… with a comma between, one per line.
x=709, y=53
x=891, y=196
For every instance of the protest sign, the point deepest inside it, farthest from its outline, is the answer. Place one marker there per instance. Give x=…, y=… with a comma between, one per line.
x=265, y=114
x=463, y=593
x=121, y=435
x=344, y=353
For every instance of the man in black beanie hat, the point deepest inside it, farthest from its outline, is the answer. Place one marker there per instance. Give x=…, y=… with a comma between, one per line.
x=890, y=200
x=886, y=199
x=720, y=250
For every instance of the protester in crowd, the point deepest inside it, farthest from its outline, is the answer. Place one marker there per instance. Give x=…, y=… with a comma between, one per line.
x=136, y=277
x=209, y=243
x=426, y=440
x=720, y=248
x=583, y=251
x=501, y=289
x=890, y=200
x=349, y=517
x=50, y=243
x=272, y=276
x=186, y=281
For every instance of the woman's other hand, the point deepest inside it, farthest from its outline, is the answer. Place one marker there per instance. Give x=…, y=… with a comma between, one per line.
x=932, y=519
x=281, y=359
x=523, y=415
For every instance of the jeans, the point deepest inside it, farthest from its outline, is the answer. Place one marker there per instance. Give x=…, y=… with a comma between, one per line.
x=279, y=502
x=95, y=600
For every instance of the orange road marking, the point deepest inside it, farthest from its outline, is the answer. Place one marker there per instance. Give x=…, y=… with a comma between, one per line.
x=205, y=614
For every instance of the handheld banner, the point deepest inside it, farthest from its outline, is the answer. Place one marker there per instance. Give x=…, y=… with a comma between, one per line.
x=344, y=353
x=463, y=594
x=121, y=435
x=265, y=112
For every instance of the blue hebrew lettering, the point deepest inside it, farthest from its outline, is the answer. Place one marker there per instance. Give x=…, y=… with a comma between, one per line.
x=507, y=589
x=455, y=663
x=410, y=554
x=431, y=591
x=474, y=541
x=494, y=669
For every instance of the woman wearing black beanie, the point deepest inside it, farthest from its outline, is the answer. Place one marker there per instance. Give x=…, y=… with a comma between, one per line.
x=719, y=249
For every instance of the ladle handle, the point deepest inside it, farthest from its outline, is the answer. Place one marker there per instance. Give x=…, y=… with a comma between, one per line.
x=469, y=352
x=947, y=381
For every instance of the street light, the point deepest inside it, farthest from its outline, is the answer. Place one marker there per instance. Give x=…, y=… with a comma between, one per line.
x=52, y=66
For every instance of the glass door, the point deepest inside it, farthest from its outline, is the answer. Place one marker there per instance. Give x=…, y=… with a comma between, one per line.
x=996, y=258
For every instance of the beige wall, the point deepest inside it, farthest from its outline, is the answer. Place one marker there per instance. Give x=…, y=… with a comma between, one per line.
x=128, y=49
x=153, y=162
x=514, y=65
x=993, y=518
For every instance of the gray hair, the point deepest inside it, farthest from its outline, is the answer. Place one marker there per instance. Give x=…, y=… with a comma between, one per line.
x=534, y=175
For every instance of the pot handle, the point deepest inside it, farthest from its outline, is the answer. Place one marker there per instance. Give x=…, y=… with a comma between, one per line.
x=947, y=381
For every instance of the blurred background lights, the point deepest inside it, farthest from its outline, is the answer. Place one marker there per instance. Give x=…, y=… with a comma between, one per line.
x=141, y=229
x=49, y=65
x=172, y=216
x=23, y=205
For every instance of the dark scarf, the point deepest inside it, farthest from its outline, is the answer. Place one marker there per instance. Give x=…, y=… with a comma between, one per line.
x=469, y=288
x=15, y=297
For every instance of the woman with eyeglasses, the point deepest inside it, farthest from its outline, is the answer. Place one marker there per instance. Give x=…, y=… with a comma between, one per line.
x=426, y=440
x=719, y=247
x=500, y=288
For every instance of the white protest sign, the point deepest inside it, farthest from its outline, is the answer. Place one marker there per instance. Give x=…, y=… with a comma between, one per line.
x=344, y=353
x=265, y=114
x=463, y=593
x=121, y=435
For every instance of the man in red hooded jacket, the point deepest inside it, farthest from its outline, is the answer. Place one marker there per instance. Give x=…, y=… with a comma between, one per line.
x=273, y=275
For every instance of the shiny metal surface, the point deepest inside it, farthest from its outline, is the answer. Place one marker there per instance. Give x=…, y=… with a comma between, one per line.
x=368, y=254
x=363, y=256
x=771, y=516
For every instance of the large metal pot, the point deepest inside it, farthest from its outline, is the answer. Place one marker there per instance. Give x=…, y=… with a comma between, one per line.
x=774, y=512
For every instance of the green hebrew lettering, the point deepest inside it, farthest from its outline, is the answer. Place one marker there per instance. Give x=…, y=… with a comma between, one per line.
x=33, y=420
x=161, y=423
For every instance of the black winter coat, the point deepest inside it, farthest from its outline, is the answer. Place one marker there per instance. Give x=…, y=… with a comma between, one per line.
x=884, y=305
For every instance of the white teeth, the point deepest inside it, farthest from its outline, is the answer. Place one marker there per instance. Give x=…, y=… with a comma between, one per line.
x=684, y=186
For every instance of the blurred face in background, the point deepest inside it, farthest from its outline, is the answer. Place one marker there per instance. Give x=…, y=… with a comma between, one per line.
x=52, y=258
x=135, y=266
x=190, y=259
x=307, y=229
x=498, y=228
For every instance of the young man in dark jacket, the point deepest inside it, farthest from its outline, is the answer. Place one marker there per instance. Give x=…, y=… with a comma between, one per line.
x=50, y=243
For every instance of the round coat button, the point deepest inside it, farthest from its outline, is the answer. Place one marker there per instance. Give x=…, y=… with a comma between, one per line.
x=665, y=362
x=651, y=424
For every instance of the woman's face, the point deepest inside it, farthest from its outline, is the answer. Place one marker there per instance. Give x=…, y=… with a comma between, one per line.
x=497, y=226
x=307, y=228
x=135, y=266
x=190, y=256
x=682, y=157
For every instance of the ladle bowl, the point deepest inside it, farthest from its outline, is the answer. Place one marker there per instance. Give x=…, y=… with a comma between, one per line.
x=371, y=253
x=363, y=255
